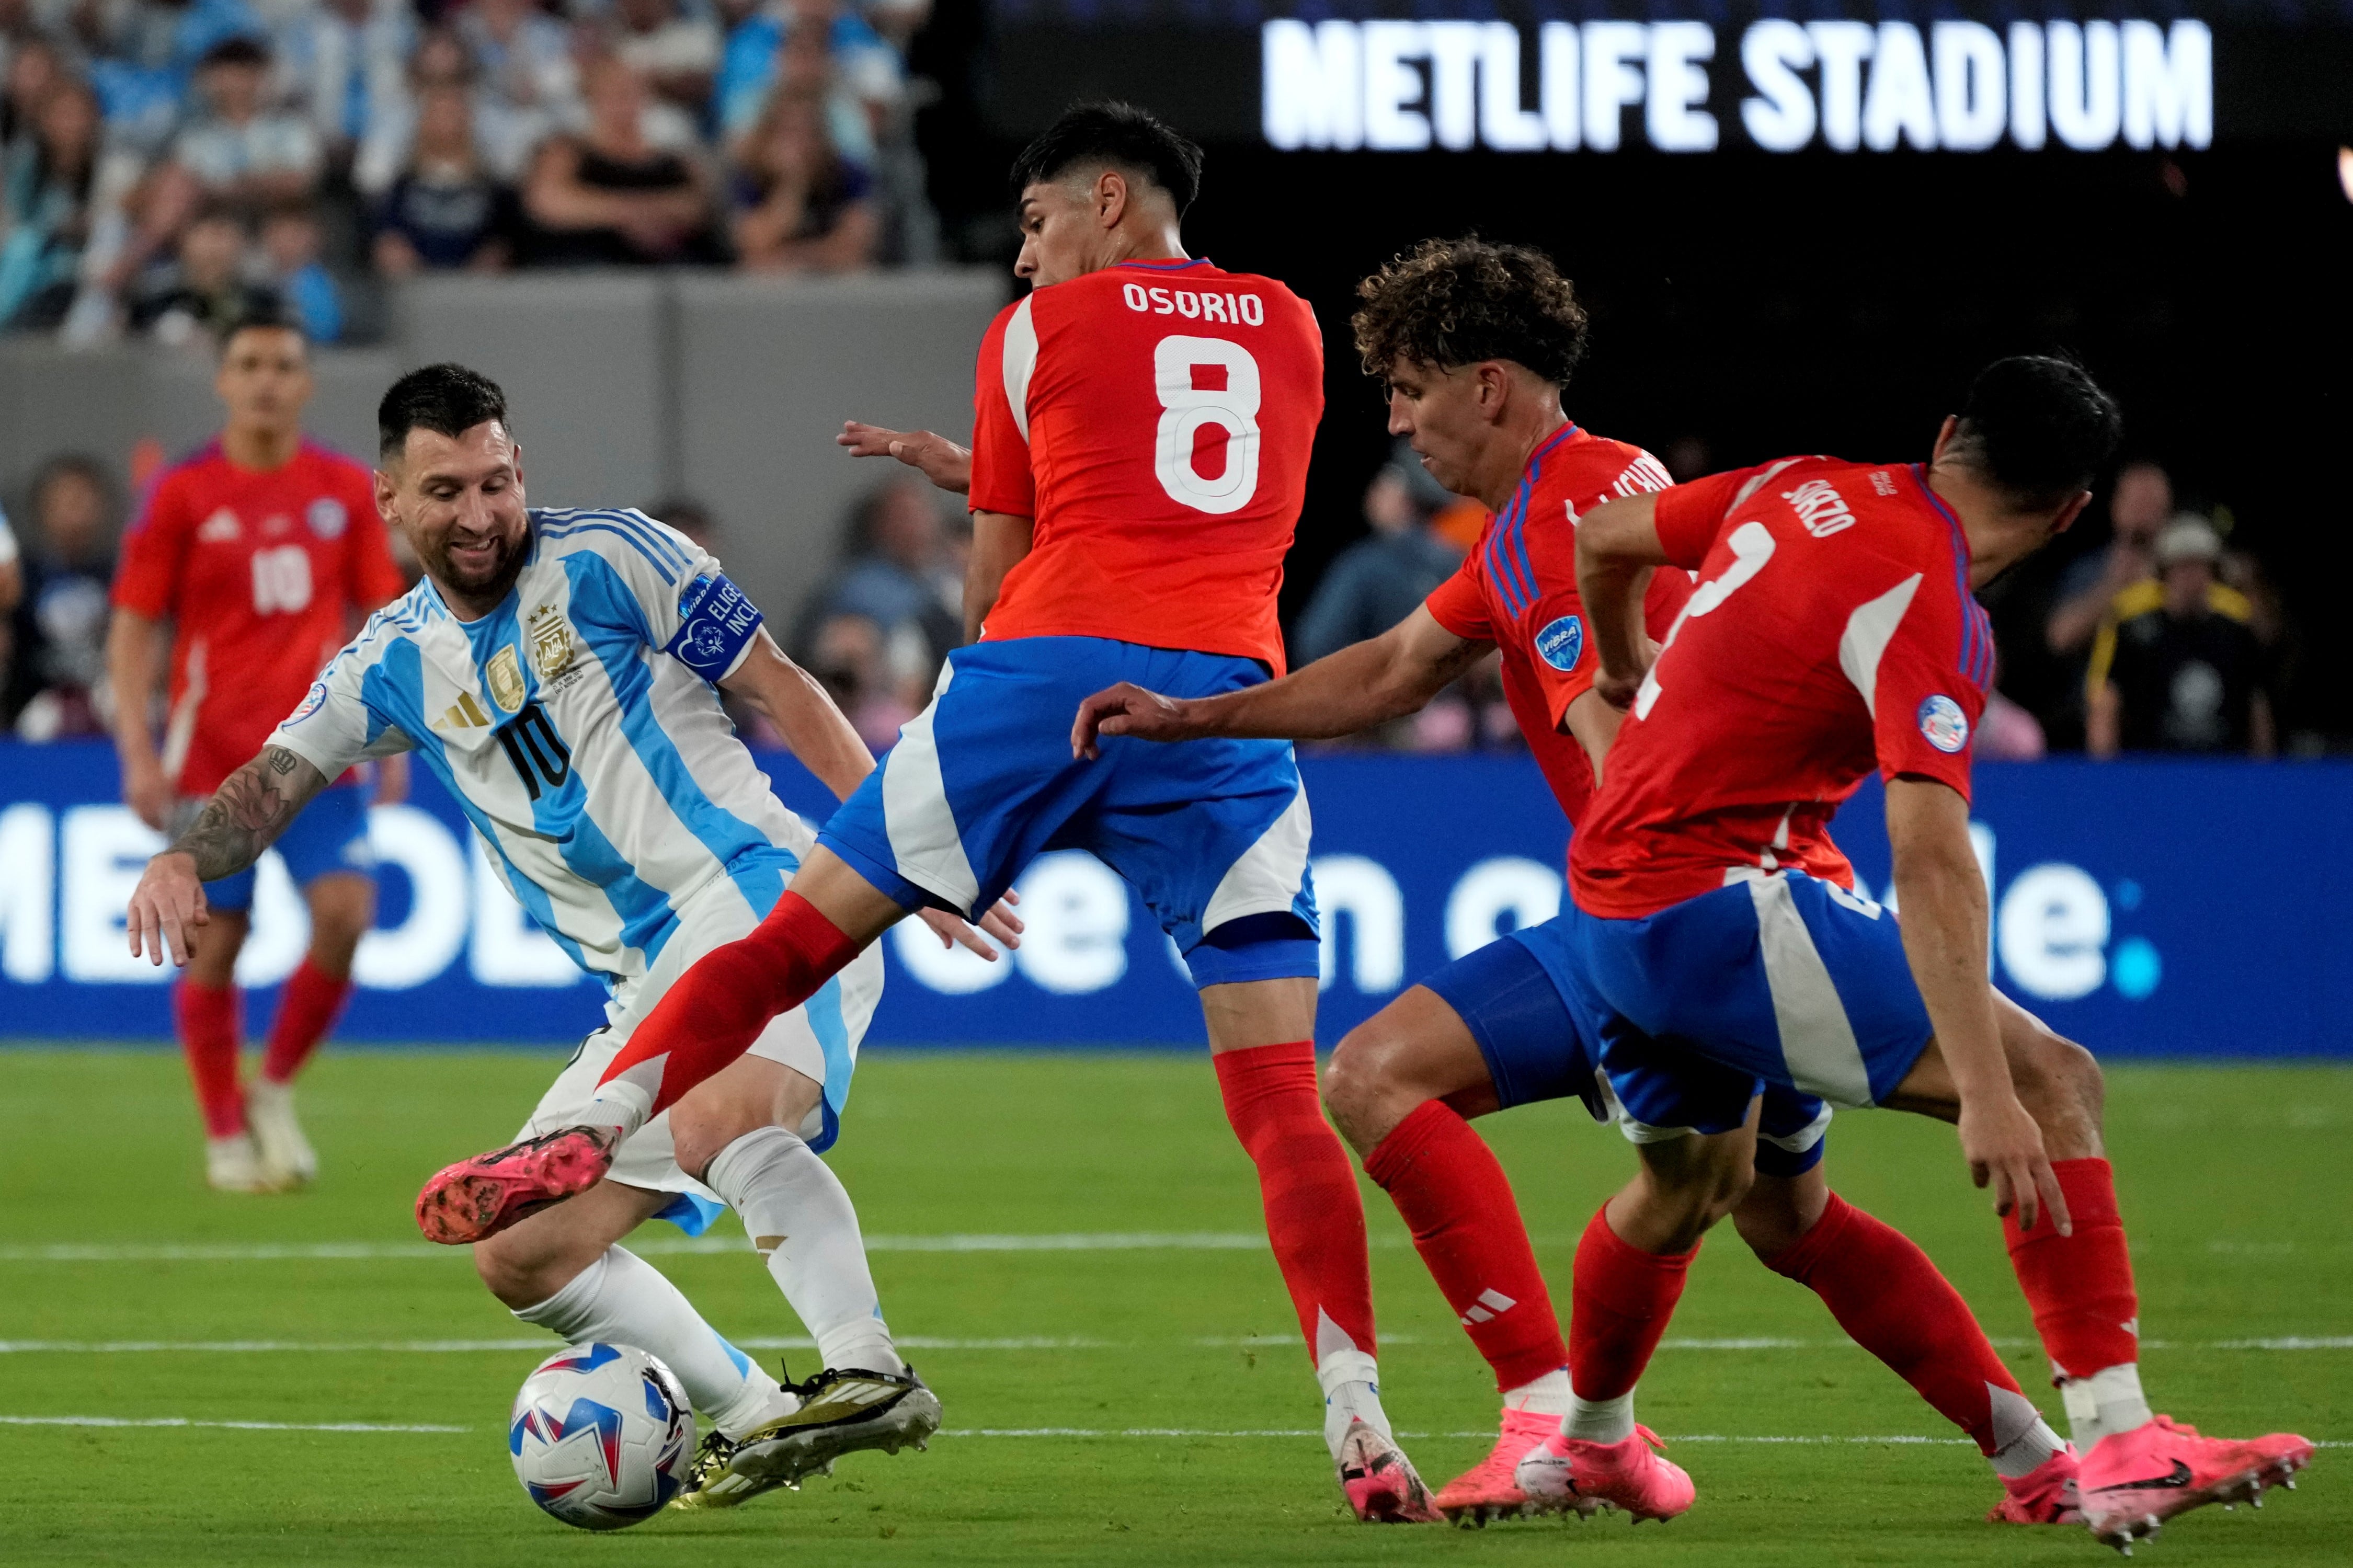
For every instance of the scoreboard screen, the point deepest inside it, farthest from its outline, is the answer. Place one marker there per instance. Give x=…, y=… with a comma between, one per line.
x=1685, y=76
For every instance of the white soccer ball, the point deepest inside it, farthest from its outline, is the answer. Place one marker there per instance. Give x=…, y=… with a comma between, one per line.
x=601, y=1436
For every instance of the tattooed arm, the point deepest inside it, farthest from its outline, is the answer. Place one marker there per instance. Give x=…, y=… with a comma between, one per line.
x=245, y=815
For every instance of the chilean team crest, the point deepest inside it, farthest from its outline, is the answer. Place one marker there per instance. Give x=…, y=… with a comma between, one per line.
x=327, y=518
x=552, y=648
x=1944, y=723
x=505, y=676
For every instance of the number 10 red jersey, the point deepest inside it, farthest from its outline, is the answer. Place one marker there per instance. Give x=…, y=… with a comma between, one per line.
x=1154, y=420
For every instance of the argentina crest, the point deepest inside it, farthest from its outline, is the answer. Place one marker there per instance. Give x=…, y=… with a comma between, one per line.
x=553, y=650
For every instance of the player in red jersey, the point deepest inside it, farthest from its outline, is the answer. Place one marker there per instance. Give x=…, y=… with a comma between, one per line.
x=1475, y=343
x=1717, y=947
x=261, y=551
x=1143, y=424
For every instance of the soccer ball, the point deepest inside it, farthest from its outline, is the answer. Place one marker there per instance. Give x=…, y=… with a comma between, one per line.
x=601, y=1436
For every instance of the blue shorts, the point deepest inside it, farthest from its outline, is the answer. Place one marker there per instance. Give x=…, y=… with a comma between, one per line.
x=1212, y=834
x=328, y=835
x=1781, y=980
x=1536, y=1049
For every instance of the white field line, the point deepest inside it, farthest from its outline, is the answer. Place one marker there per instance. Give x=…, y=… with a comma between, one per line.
x=268, y=1252
x=224, y=1425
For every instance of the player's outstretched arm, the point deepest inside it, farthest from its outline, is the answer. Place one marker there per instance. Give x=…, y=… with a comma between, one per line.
x=1364, y=684
x=943, y=462
x=1617, y=548
x=1942, y=892
x=245, y=816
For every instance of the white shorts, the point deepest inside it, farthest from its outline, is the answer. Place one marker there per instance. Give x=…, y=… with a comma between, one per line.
x=819, y=1039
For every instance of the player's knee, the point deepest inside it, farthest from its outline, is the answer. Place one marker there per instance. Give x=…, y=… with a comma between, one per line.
x=2062, y=1087
x=699, y=1131
x=1359, y=1078
x=518, y=1278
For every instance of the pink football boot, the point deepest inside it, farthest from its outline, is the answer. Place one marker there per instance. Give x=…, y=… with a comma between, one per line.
x=1380, y=1480
x=2132, y=1482
x=481, y=1197
x=1490, y=1489
x=2044, y=1495
x=1629, y=1475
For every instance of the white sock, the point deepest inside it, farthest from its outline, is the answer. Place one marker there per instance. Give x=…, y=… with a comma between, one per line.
x=2107, y=1401
x=1600, y=1420
x=623, y=1299
x=800, y=1219
x=2023, y=1439
x=1547, y=1396
x=1352, y=1391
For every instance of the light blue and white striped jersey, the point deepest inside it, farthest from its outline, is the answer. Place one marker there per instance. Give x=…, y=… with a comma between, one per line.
x=579, y=727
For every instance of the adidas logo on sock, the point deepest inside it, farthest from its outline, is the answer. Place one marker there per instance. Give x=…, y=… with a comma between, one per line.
x=1491, y=1305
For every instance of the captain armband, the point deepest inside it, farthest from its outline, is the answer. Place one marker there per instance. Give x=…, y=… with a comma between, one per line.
x=715, y=622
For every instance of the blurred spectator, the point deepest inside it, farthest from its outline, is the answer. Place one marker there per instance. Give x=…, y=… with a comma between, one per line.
x=531, y=83
x=2184, y=674
x=690, y=517
x=143, y=54
x=444, y=209
x=290, y=251
x=851, y=656
x=1378, y=581
x=800, y=205
x=34, y=67
x=810, y=43
x=677, y=52
x=611, y=197
x=51, y=186
x=900, y=573
x=203, y=290
x=12, y=590
x=2009, y=734
x=2138, y=509
x=56, y=680
x=238, y=153
x=340, y=61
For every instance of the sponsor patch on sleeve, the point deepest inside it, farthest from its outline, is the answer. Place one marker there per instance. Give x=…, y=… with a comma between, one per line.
x=715, y=621
x=1562, y=642
x=310, y=703
x=1944, y=723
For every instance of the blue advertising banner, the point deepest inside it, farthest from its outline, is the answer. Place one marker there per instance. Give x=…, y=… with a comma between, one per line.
x=2143, y=907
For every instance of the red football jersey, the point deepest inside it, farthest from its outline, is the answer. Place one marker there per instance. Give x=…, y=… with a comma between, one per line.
x=1154, y=420
x=1518, y=590
x=1832, y=630
x=263, y=574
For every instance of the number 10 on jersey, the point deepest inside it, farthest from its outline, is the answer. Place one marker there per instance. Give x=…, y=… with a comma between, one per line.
x=1204, y=381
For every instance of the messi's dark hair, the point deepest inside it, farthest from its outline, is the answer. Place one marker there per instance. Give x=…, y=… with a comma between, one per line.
x=2040, y=428
x=1131, y=140
x=447, y=399
x=1452, y=302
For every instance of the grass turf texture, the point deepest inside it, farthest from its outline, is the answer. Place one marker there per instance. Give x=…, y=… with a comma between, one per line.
x=2234, y=1183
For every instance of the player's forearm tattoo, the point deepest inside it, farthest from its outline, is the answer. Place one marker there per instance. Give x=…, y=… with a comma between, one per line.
x=248, y=811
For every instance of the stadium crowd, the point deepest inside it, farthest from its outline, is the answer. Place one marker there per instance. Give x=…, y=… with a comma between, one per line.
x=2160, y=637
x=160, y=160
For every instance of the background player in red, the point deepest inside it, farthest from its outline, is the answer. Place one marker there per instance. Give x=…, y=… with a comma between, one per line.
x=250, y=563
x=1476, y=342
x=1142, y=425
x=1717, y=943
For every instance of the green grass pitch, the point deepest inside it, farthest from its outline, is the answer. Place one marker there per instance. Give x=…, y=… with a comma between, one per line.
x=2236, y=1184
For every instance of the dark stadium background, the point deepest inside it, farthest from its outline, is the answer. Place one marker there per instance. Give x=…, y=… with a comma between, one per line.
x=1824, y=301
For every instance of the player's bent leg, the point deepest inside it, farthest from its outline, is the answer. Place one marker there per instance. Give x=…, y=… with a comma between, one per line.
x=2138, y=1468
x=1262, y=1044
x=1400, y=1085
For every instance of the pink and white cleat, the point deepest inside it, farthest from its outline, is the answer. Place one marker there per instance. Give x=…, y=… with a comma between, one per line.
x=1490, y=1491
x=2044, y=1495
x=2132, y=1482
x=481, y=1197
x=1629, y=1475
x=1380, y=1481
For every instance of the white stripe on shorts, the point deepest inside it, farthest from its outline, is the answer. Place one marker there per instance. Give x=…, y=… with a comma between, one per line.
x=1266, y=879
x=1817, y=1041
x=924, y=838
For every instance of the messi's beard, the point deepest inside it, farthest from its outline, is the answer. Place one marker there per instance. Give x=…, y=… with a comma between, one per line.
x=482, y=590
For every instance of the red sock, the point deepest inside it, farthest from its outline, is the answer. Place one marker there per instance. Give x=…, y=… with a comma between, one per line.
x=206, y=1017
x=1891, y=1300
x=1620, y=1304
x=1315, y=1216
x=306, y=1009
x=718, y=1008
x=1466, y=1225
x=2080, y=1286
